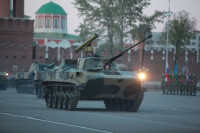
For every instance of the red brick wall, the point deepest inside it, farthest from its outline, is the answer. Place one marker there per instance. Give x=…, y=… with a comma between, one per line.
x=16, y=39
x=4, y=8
x=15, y=55
x=157, y=66
x=16, y=31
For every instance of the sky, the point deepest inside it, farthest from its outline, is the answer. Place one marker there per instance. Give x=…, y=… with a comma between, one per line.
x=191, y=6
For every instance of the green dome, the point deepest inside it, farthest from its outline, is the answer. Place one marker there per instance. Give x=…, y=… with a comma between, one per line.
x=51, y=8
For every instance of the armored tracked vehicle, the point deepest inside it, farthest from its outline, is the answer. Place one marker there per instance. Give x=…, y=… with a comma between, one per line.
x=92, y=78
x=3, y=80
x=30, y=82
x=24, y=82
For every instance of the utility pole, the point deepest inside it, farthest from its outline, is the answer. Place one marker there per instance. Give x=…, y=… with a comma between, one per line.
x=167, y=46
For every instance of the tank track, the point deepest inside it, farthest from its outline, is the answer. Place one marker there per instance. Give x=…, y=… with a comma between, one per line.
x=39, y=90
x=25, y=87
x=64, y=97
x=3, y=83
x=116, y=104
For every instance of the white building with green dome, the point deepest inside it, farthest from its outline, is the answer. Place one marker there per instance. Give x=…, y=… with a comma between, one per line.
x=51, y=18
x=51, y=27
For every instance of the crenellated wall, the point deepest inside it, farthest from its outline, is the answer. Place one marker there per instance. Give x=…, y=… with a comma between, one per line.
x=16, y=31
x=155, y=63
x=21, y=56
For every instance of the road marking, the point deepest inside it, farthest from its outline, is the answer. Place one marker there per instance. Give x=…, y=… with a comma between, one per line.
x=142, y=115
x=54, y=122
x=196, y=122
x=149, y=121
x=174, y=109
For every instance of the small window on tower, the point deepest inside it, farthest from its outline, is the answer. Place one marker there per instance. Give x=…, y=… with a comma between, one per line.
x=23, y=57
x=40, y=22
x=6, y=57
x=15, y=57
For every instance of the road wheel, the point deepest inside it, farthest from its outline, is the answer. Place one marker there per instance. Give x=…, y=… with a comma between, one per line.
x=59, y=103
x=39, y=93
x=49, y=101
x=70, y=102
x=65, y=102
x=135, y=104
x=54, y=101
x=108, y=104
x=20, y=89
x=36, y=91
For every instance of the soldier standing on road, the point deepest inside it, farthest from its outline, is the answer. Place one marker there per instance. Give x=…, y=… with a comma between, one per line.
x=163, y=83
x=195, y=84
x=190, y=84
x=179, y=83
x=173, y=84
x=183, y=84
x=187, y=84
x=170, y=83
x=167, y=85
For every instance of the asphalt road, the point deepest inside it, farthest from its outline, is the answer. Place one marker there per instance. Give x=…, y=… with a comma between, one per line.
x=23, y=113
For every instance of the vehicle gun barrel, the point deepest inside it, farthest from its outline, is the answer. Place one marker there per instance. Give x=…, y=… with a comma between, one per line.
x=120, y=54
x=52, y=64
x=86, y=43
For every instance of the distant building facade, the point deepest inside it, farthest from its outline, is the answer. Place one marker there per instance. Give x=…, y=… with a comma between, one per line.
x=50, y=31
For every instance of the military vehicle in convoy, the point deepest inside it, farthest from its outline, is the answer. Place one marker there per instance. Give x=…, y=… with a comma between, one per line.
x=30, y=82
x=24, y=82
x=92, y=78
x=39, y=75
x=3, y=80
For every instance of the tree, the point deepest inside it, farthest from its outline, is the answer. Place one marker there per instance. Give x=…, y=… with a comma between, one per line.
x=99, y=14
x=181, y=30
x=128, y=13
x=85, y=30
x=115, y=19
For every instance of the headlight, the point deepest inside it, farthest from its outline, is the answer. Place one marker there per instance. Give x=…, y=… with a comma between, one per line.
x=5, y=74
x=142, y=76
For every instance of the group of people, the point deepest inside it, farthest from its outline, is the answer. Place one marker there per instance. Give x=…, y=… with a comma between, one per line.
x=181, y=84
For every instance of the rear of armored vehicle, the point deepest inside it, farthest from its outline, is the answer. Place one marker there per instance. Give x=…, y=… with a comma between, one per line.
x=24, y=82
x=38, y=78
x=61, y=90
x=38, y=70
x=3, y=80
